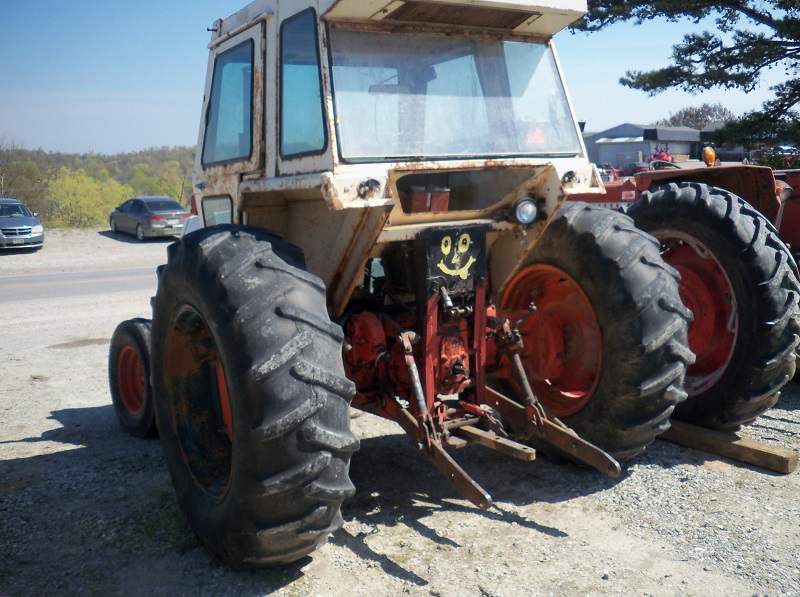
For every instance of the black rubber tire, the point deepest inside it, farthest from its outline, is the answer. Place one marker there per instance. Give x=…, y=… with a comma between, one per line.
x=272, y=494
x=760, y=269
x=643, y=324
x=113, y=225
x=129, y=358
x=140, y=233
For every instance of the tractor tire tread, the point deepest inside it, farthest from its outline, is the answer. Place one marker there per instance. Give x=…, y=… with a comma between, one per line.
x=645, y=358
x=763, y=362
x=289, y=475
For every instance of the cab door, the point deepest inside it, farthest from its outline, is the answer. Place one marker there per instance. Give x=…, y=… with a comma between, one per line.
x=231, y=141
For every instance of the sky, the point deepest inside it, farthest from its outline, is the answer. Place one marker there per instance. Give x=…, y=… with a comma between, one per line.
x=110, y=76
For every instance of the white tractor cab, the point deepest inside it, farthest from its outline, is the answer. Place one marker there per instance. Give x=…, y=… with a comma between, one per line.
x=346, y=124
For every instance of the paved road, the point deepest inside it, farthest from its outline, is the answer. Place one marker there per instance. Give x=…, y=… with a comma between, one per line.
x=59, y=285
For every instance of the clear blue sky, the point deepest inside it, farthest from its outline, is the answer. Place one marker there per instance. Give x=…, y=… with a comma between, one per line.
x=121, y=75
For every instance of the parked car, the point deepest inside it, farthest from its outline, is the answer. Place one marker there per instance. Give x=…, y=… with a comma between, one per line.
x=147, y=217
x=785, y=150
x=633, y=168
x=19, y=227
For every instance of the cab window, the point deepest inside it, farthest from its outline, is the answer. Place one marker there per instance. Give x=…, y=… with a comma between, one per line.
x=302, y=122
x=229, y=118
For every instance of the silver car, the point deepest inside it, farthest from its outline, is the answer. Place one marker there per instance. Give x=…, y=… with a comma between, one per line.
x=147, y=217
x=19, y=228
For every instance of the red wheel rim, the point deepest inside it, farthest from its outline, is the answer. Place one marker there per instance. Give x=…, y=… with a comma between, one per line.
x=563, y=345
x=707, y=291
x=198, y=401
x=130, y=380
x=224, y=400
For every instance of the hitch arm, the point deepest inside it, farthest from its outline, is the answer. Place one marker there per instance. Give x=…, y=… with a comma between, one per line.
x=442, y=461
x=554, y=432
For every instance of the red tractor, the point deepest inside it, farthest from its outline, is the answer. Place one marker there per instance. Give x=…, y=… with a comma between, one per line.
x=728, y=230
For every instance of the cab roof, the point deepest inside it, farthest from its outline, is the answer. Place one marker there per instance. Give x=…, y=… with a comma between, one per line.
x=540, y=18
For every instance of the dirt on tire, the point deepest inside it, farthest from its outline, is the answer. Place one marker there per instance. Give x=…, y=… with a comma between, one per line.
x=642, y=326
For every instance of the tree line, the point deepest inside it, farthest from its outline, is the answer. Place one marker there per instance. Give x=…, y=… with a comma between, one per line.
x=71, y=190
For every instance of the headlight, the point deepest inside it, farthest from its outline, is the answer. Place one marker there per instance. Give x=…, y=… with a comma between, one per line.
x=37, y=229
x=525, y=211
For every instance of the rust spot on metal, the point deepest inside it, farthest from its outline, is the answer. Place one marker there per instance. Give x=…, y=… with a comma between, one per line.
x=472, y=16
x=329, y=192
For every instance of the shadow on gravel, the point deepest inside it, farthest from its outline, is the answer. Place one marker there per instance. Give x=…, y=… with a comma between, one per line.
x=392, y=471
x=10, y=252
x=132, y=240
x=100, y=517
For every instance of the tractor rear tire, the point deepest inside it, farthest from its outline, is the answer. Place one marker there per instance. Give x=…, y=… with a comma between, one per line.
x=129, y=377
x=252, y=402
x=620, y=367
x=738, y=277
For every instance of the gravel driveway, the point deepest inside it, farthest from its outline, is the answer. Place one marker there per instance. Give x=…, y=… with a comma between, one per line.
x=85, y=509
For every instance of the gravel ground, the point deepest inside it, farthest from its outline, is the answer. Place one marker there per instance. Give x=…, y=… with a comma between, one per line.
x=85, y=509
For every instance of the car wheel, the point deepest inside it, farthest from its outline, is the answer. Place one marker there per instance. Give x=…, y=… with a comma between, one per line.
x=113, y=223
x=140, y=232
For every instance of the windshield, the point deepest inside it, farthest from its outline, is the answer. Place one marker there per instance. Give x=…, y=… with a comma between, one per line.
x=402, y=95
x=14, y=210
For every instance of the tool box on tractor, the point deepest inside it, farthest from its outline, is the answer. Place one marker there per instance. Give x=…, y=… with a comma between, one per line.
x=383, y=187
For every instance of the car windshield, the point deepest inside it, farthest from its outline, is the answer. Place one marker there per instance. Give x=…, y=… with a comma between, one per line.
x=13, y=210
x=412, y=96
x=163, y=205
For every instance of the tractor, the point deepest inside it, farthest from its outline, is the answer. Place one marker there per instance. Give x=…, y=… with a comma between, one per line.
x=383, y=191
x=729, y=230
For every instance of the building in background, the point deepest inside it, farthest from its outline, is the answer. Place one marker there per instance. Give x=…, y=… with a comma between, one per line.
x=628, y=143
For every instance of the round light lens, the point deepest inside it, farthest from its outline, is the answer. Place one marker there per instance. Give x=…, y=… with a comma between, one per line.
x=525, y=212
x=709, y=156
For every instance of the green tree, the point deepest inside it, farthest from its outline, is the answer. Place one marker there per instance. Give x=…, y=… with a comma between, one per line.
x=20, y=177
x=750, y=37
x=76, y=200
x=699, y=116
x=167, y=178
x=143, y=185
x=88, y=186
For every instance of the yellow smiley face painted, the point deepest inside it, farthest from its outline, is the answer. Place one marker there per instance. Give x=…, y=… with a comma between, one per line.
x=462, y=246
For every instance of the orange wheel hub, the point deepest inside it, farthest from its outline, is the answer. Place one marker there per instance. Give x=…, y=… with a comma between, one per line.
x=130, y=377
x=563, y=344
